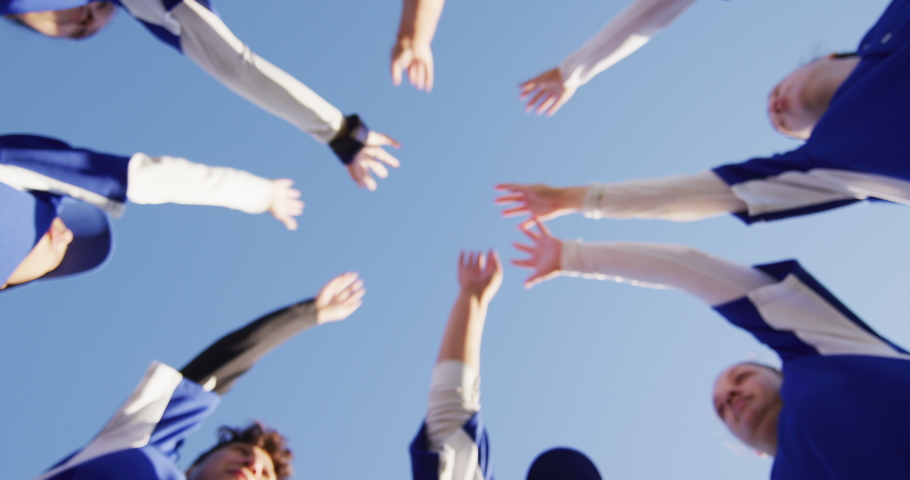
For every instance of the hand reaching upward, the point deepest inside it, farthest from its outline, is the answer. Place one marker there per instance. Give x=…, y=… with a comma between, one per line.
x=545, y=255
x=339, y=298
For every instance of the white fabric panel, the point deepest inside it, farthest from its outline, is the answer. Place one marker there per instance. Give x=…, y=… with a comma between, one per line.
x=155, y=180
x=133, y=424
x=454, y=399
x=152, y=11
x=713, y=280
x=208, y=42
x=680, y=198
x=790, y=305
x=793, y=190
x=624, y=34
x=24, y=179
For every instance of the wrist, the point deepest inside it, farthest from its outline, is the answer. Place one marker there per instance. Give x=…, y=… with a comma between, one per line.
x=573, y=198
x=350, y=139
x=476, y=293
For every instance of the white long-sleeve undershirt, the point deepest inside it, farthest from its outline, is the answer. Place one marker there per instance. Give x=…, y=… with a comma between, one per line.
x=680, y=198
x=713, y=280
x=155, y=180
x=208, y=42
x=622, y=36
x=454, y=399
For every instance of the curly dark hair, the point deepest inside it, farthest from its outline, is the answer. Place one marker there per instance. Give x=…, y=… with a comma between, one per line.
x=261, y=436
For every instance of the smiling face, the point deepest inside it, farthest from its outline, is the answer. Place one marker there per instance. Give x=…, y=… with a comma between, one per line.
x=747, y=399
x=45, y=256
x=235, y=461
x=79, y=22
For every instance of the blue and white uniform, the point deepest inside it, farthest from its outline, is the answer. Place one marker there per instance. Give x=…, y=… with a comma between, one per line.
x=43, y=178
x=856, y=152
x=142, y=439
x=452, y=443
x=193, y=28
x=845, y=387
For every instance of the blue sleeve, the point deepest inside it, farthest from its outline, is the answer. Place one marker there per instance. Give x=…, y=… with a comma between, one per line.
x=752, y=174
x=101, y=173
x=799, y=317
x=189, y=406
x=425, y=464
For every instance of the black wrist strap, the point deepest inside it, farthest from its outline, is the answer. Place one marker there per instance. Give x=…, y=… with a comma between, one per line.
x=350, y=140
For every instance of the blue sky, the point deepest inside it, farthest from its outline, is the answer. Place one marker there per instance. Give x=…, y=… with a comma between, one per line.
x=619, y=372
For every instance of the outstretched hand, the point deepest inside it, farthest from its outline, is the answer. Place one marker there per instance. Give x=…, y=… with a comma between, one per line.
x=539, y=201
x=417, y=60
x=545, y=255
x=370, y=159
x=548, y=90
x=339, y=298
x=480, y=273
x=286, y=203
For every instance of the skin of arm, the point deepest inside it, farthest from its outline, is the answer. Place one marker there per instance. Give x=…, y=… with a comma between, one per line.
x=412, y=51
x=622, y=36
x=479, y=277
x=679, y=198
x=713, y=280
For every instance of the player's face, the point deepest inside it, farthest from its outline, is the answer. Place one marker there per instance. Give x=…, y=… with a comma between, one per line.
x=797, y=103
x=235, y=461
x=79, y=22
x=45, y=256
x=747, y=399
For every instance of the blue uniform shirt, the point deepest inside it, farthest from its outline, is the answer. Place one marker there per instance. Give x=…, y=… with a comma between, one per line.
x=96, y=177
x=846, y=388
x=142, y=440
x=858, y=149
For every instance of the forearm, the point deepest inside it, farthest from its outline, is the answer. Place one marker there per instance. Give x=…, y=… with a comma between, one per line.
x=155, y=180
x=622, y=36
x=713, y=280
x=464, y=330
x=419, y=19
x=680, y=198
x=207, y=41
x=235, y=353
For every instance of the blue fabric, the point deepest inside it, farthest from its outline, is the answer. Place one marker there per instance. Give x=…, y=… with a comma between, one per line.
x=844, y=417
x=189, y=406
x=26, y=216
x=865, y=125
x=425, y=463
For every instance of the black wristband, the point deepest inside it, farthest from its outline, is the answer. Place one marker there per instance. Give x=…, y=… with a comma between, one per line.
x=350, y=140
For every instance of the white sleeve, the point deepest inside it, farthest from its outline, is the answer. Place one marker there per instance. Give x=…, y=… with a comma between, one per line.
x=679, y=198
x=622, y=36
x=713, y=280
x=206, y=40
x=454, y=399
x=154, y=180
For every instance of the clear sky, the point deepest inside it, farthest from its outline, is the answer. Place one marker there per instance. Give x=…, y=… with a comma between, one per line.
x=619, y=372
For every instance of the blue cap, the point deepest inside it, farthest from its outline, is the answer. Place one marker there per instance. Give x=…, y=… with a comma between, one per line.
x=563, y=464
x=26, y=216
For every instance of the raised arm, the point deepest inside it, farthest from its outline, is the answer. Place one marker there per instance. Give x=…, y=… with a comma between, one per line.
x=713, y=280
x=219, y=366
x=412, y=51
x=203, y=37
x=455, y=388
x=678, y=198
x=623, y=35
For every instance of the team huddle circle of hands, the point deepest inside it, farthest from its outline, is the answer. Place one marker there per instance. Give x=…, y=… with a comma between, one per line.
x=780, y=304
